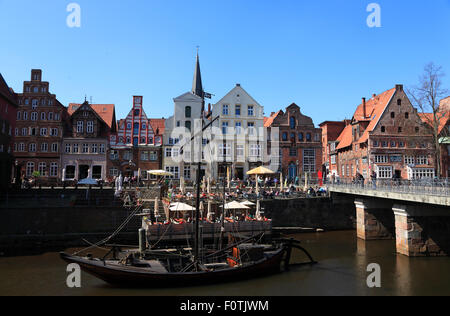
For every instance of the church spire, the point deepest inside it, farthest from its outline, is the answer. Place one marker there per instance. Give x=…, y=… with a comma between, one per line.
x=197, y=87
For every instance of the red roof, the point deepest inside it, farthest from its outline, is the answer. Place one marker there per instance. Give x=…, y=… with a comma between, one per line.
x=105, y=111
x=268, y=121
x=374, y=109
x=157, y=124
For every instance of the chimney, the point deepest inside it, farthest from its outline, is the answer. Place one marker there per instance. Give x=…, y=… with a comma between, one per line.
x=209, y=107
x=238, y=84
x=364, y=107
x=399, y=87
x=272, y=113
x=374, y=95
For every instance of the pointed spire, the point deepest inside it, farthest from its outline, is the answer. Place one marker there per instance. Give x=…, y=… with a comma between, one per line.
x=197, y=87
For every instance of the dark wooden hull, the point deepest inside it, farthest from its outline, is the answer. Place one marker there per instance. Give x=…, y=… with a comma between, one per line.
x=124, y=276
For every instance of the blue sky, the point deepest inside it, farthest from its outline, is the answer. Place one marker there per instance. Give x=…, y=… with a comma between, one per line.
x=318, y=54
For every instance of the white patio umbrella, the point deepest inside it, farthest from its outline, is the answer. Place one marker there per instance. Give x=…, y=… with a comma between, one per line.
x=235, y=206
x=247, y=203
x=178, y=206
x=160, y=173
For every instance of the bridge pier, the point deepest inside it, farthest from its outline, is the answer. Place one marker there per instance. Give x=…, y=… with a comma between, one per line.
x=422, y=230
x=374, y=219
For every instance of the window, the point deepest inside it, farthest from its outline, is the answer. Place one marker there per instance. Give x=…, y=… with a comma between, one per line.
x=34, y=103
x=401, y=144
x=417, y=129
x=384, y=172
x=144, y=126
x=238, y=110
x=113, y=172
x=94, y=148
x=333, y=159
x=420, y=173
x=381, y=159
x=54, y=169
x=187, y=172
x=127, y=155
x=54, y=132
x=393, y=144
x=383, y=129
x=102, y=148
x=25, y=116
x=225, y=150
x=251, y=128
x=137, y=112
x=50, y=116
x=406, y=115
x=284, y=136
x=224, y=128
x=255, y=150
x=143, y=140
x=409, y=160
x=384, y=144
x=19, y=115
x=238, y=127
x=30, y=169
x=90, y=127
x=35, y=89
x=309, y=160
x=55, y=147
x=43, y=116
x=43, y=132
x=32, y=148
x=292, y=122
x=308, y=137
x=22, y=147
x=34, y=116
x=422, y=160
x=70, y=172
x=317, y=137
x=399, y=101
x=68, y=148
x=79, y=126
x=300, y=137
x=16, y=132
x=114, y=155
x=144, y=156
x=251, y=111
x=27, y=102
x=400, y=130
x=175, y=171
x=392, y=114
x=75, y=148
x=188, y=112
x=135, y=141
x=85, y=148
x=153, y=156
x=44, y=147
x=188, y=125
x=293, y=152
x=168, y=152
x=225, y=109
x=240, y=151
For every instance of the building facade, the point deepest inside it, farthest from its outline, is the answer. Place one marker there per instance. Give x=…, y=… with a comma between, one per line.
x=386, y=137
x=330, y=139
x=8, y=114
x=300, y=142
x=137, y=146
x=86, y=143
x=41, y=122
x=239, y=142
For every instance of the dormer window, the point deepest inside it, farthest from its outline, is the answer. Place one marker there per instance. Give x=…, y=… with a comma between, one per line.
x=137, y=112
x=292, y=122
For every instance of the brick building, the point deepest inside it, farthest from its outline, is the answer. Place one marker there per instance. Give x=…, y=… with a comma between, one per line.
x=137, y=145
x=86, y=143
x=41, y=122
x=443, y=131
x=331, y=130
x=8, y=113
x=386, y=136
x=300, y=142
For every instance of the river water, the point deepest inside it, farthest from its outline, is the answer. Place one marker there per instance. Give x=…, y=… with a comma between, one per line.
x=343, y=261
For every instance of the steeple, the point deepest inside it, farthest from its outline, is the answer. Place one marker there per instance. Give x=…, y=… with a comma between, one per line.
x=197, y=87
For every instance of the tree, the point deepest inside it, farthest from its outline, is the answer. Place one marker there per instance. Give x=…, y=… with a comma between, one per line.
x=426, y=97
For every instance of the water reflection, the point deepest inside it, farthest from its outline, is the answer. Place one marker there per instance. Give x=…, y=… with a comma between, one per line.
x=343, y=261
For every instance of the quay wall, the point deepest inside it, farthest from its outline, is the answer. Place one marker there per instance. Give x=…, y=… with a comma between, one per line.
x=47, y=220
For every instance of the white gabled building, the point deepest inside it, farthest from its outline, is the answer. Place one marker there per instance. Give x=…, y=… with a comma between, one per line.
x=240, y=144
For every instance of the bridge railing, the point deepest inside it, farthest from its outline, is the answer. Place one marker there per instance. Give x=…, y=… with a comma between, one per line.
x=437, y=187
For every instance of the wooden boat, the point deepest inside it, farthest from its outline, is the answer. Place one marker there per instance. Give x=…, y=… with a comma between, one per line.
x=168, y=272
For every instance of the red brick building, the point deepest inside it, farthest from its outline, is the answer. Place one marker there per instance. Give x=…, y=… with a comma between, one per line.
x=386, y=136
x=137, y=145
x=41, y=122
x=299, y=140
x=331, y=130
x=8, y=113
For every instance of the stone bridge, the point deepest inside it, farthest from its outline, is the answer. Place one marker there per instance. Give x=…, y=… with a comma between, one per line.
x=416, y=215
